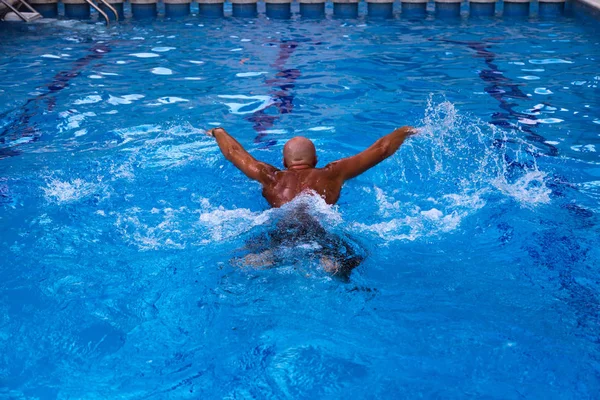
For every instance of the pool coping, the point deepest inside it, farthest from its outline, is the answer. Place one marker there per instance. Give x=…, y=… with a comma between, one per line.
x=587, y=7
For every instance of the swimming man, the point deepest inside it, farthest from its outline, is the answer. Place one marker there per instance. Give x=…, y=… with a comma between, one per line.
x=300, y=160
x=300, y=175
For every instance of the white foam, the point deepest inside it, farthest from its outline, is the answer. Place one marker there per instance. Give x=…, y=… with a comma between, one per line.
x=193, y=78
x=529, y=189
x=245, y=40
x=144, y=55
x=50, y=56
x=238, y=49
x=250, y=74
x=196, y=62
x=434, y=214
x=529, y=77
x=121, y=62
x=95, y=76
x=62, y=192
x=542, y=91
x=164, y=227
x=454, y=163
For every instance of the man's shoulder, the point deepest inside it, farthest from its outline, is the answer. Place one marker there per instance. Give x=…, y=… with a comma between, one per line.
x=323, y=170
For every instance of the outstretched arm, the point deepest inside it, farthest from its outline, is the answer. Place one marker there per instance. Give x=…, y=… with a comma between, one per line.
x=238, y=156
x=351, y=167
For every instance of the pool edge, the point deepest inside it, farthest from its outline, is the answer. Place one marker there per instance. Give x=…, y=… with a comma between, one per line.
x=586, y=8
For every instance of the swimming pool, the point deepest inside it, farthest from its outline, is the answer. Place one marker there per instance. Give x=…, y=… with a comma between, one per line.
x=120, y=219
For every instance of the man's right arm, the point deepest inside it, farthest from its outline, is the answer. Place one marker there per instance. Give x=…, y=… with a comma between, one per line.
x=238, y=156
x=351, y=167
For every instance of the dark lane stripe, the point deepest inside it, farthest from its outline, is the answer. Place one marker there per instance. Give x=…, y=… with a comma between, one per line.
x=21, y=127
x=504, y=90
x=281, y=91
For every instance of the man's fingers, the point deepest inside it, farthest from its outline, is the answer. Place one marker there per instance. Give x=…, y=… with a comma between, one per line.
x=211, y=132
x=412, y=130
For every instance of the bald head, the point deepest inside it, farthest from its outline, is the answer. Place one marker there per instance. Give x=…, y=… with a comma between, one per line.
x=299, y=151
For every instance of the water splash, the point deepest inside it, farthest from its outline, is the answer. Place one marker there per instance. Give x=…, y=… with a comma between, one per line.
x=69, y=191
x=452, y=169
x=155, y=146
x=219, y=223
x=169, y=228
x=455, y=167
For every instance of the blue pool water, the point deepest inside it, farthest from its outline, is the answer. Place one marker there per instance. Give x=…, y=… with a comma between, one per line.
x=122, y=224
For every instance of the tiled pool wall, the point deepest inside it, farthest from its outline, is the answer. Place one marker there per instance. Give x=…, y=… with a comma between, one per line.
x=283, y=9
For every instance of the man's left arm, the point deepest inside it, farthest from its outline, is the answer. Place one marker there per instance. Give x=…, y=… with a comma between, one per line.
x=238, y=156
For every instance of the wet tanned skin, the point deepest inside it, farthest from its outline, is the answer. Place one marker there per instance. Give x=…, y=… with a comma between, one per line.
x=300, y=160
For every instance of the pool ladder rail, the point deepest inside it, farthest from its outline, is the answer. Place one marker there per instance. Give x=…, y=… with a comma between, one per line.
x=101, y=12
x=17, y=15
x=32, y=15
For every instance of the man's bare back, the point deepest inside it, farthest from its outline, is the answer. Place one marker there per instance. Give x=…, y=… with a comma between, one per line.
x=300, y=174
x=286, y=185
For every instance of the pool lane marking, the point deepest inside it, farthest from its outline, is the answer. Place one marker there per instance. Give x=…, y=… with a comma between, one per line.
x=502, y=89
x=20, y=126
x=281, y=92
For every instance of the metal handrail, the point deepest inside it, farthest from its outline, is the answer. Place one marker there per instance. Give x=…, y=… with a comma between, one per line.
x=111, y=8
x=7, y=4
x=95, y=7
x=26, y=4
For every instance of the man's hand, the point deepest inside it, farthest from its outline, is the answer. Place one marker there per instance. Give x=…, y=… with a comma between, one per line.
x=408, y=130
x=211, y=132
